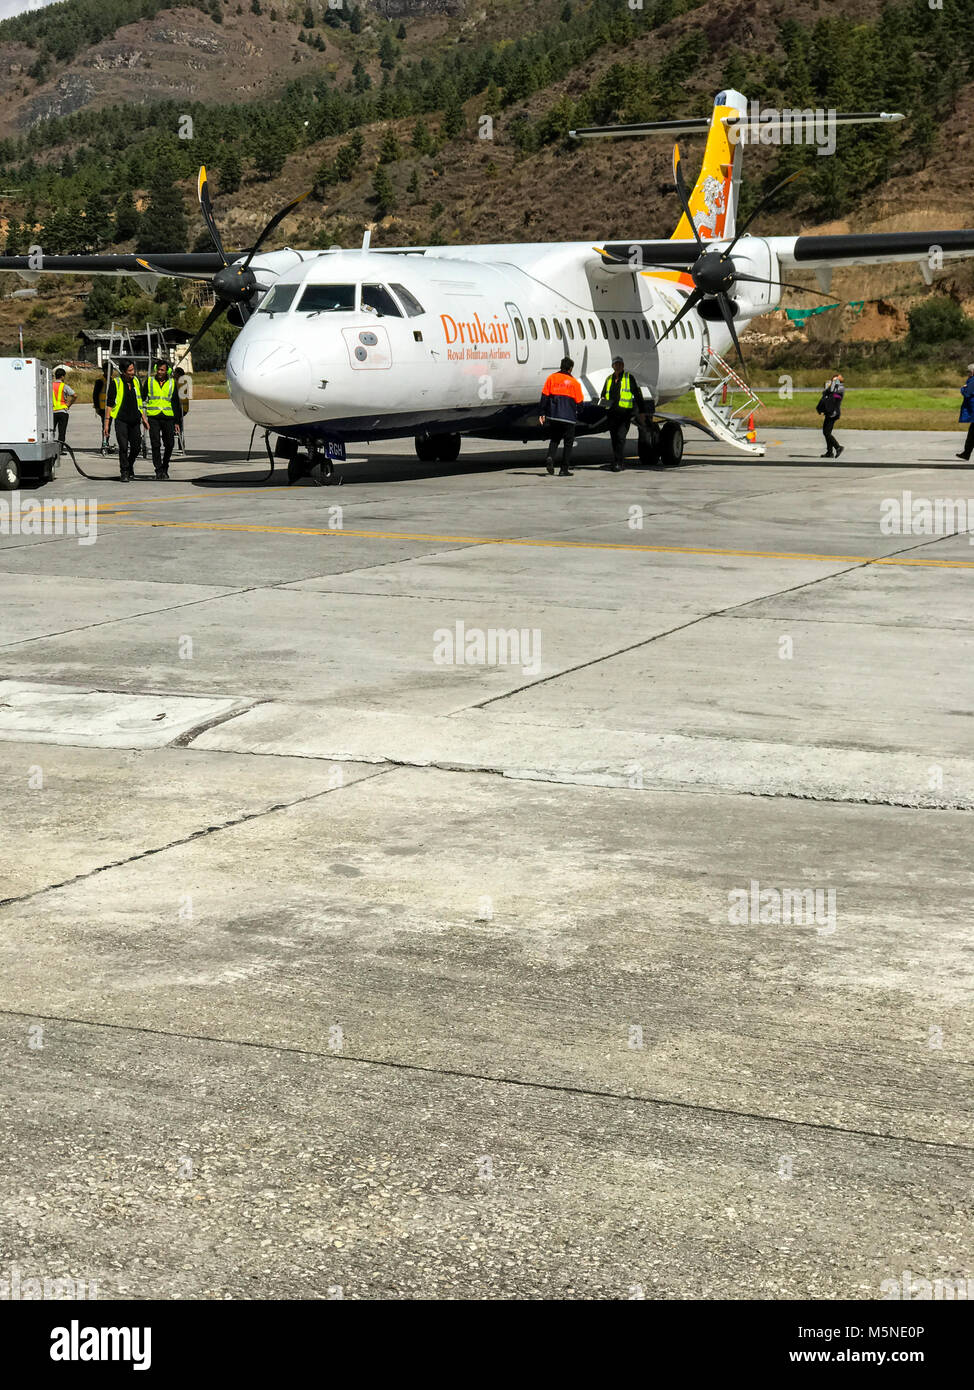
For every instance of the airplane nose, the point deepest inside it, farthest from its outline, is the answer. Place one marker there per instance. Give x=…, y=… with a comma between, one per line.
x=269, y=381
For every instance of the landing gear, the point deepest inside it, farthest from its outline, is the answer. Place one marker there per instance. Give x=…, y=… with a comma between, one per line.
x=438, y=448
x=649, y=445
x=671, y=445
x=313, y=465
x=9, y=472
x=322, y=473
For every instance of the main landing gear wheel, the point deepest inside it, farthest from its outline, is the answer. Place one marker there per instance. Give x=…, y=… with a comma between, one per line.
x=671, y=444
x=649, y=445
x=9, y=472
x=438, y=448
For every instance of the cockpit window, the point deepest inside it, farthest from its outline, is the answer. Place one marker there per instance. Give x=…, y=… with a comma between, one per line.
x=377, y=297
x=279, y=299
x=409, y=301
x=327, y=299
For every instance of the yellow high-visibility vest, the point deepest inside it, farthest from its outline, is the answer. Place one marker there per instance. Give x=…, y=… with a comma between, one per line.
x=120, y=395
x=58, y=396
x=158, y=399
x=626, y=398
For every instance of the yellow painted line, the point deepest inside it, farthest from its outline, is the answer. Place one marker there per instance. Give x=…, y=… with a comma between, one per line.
x=533, y=542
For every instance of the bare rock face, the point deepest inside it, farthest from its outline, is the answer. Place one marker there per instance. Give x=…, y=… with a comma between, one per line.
x=70, y=94
x=116, y=58
x=185, y=38
x=402, y=9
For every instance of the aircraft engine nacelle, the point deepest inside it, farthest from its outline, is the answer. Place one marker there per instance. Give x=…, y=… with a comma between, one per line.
x=753, y=256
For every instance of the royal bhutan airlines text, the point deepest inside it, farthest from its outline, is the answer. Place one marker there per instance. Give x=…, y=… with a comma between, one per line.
x=482, y=340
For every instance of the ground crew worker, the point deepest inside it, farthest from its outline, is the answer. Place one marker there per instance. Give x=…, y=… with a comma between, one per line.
x=561, y=396
x=127, y=412
x=163, y=407
x=64, y=398
x=621, y=398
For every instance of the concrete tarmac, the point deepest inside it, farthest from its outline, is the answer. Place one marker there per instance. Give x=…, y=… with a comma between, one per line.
x=465, y=883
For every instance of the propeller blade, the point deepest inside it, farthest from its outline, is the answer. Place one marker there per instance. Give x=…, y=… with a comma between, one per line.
x=691, y=303
x=204, y=328
x=781, y=284
x=274, y=222
x=681, y=189
x=725, y=309
x=206, y=207
x=760, y=208
x=172, y=274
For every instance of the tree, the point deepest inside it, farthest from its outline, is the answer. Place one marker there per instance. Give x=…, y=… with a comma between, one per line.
x=127, y=218
x=349, y=157
x=388, y=51
x=255, y=7
x=422, y=141
x=231, y=170
x=383, y=191
x=401, y=31
x=939, y=320
x=163, y=226
x=453, y=120
x=390, y=149
x=309, y=17
x=101, y=305
x=354, y=19
x=269, y=154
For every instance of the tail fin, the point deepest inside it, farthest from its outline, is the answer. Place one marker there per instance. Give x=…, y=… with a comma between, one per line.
x=713, y=201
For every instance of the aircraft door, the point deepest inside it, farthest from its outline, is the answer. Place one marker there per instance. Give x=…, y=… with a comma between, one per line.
x=519, y=331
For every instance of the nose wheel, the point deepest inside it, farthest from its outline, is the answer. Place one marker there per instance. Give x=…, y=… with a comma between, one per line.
x=315, y=466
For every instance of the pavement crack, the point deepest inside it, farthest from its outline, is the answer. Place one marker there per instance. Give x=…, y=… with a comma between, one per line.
x=201, y=834
x=518, y=1082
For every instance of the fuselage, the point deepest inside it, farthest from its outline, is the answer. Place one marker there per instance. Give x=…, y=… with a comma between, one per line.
x=355, y=345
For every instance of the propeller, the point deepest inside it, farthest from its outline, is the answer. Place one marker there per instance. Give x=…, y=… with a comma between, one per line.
x=235, y=286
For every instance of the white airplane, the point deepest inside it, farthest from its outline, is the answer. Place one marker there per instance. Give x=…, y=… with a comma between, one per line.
x=443, y=342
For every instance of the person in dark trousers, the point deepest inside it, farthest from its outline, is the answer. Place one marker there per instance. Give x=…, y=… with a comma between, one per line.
x=830, y=408
x=561, y=396
x=967, y=413
x=622, y=399
x=63, y=399
x=129, y=416
x=164, y=409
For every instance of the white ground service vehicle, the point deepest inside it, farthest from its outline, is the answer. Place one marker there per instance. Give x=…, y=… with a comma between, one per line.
x=29, y=446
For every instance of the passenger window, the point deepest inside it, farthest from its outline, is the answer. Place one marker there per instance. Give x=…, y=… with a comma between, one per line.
x=531, y=328
x=581, y=328
x=519, y=329
x=558, y=332
x=683, y=329
x=544, y=329
x=377, y=297
x=605, y=328
x=571, y=331
x=625, y=329
x=594, y=330
x=327, y=299
x=635, y=328
x=615, y=329
x=409, y=301
x=279, y=299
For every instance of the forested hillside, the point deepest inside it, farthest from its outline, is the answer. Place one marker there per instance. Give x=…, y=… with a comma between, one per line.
x=385, y=119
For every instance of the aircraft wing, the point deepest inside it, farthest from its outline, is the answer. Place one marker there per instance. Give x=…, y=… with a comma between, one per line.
x=195, y=263
x=871, y=248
